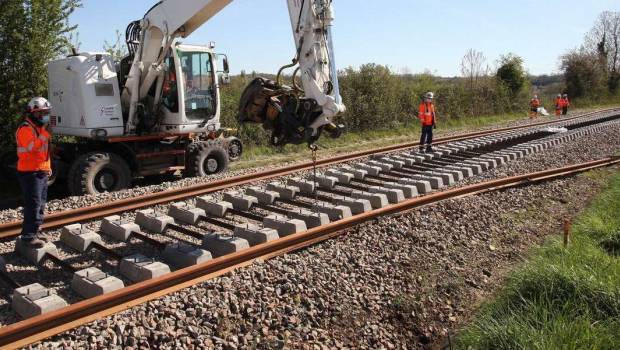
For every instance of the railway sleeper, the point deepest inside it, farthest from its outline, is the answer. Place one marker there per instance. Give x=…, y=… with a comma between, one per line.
x=214, y=208
x=306, y=186
x=35, y=255
x=326, y=182
x=284, y=225
x=240, y=201
x=256, y=234
x=138, y=268
x=285, y=192
x=343, y=178
x=393, y=195
x=34, y=299
x=369, y=169
x=92, y=282
x=358, y=174
x=262, y=195
x=356, y=205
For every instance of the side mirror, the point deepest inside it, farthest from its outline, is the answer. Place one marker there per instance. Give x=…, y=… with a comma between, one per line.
x=225, y=64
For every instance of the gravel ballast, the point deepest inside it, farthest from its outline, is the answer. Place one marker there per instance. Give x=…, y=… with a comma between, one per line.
x=405, y=281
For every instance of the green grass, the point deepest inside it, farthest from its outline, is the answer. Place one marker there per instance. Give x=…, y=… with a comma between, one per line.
x=561, y=298
x=256, y=156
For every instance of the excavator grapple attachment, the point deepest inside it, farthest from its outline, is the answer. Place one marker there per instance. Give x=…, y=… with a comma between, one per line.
x=280, y=109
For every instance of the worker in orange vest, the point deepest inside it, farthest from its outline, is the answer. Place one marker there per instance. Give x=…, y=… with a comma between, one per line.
x=34, y=167
x=534, y=105
x=565, y=104
x=427, y=117
x=559, y=104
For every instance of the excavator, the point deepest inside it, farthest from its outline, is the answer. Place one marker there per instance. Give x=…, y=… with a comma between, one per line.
x=157, y=110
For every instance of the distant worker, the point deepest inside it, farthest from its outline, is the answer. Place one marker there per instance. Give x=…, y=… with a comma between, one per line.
x=559, y=104
x=34, y=167
x=534, y=105
x=565, y=104
x=427, y=117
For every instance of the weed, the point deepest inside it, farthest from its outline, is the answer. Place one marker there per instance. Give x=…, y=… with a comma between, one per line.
x=561, y=298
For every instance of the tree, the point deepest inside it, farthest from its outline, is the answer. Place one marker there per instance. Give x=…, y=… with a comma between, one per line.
x=118, y=50
x=604, y=41
x=583, y=74
x=473, y=67
x=32, y=32
x=511, y=72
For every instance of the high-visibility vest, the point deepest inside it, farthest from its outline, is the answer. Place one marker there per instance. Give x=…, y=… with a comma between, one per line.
x=33, y=150
x=565, y=102
x=427, y=113
x=559, y=103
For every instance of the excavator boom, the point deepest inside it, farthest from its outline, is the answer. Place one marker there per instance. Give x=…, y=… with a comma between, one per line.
x=301, y=112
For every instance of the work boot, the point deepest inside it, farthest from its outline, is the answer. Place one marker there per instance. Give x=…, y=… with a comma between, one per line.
x=35, y=243
x=421, y=149
x=429, y=149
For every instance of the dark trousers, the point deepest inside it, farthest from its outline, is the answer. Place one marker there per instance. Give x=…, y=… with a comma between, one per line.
x=564, y=110
x=34, y=190
x=427, y=135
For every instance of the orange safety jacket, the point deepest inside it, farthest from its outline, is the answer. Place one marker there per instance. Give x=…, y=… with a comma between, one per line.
x=427, y=113
x=565, y=102
x=559, y=103
x=33, y=150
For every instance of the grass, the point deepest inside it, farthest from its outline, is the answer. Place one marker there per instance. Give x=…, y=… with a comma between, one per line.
x=257, y=156
x=561, y=298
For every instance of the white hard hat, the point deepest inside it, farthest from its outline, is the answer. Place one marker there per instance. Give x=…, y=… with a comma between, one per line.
x=535, y=96
x=38, y=104
x=559, y=95
x=429, y=95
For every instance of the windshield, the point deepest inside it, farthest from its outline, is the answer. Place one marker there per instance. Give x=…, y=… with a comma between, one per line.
x=199, y=85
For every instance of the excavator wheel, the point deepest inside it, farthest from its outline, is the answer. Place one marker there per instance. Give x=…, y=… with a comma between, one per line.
x=235, y=149
x=98, y=172
x=206, y=158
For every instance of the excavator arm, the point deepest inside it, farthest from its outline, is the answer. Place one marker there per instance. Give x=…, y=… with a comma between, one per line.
x=295, y=114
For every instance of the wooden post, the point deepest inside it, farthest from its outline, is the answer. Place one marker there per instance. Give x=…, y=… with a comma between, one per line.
x=567, y=227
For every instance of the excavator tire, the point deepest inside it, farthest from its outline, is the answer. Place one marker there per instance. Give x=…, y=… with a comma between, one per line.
x=98, y=172
x=235, y=149
x=206, y=158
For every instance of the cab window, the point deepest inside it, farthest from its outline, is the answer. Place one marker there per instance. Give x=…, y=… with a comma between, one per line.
x=198, y=80
x=170, y=91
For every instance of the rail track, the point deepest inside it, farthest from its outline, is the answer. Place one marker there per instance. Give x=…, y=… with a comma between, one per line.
x=264, y=222
x=12, y=229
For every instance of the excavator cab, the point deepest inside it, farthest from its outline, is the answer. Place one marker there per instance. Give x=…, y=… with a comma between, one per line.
x=190, y=93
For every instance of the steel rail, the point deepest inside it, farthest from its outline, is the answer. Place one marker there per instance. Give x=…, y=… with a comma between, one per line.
x=60, y=219
x=46, y=325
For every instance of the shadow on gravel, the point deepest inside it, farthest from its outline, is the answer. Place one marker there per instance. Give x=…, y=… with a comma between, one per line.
x=10, y=194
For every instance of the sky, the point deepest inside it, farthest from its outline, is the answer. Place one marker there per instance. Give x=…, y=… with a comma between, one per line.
x=406, y=35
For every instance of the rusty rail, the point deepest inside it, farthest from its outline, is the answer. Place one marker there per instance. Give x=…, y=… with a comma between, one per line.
x=59, y=219
x=46, y=325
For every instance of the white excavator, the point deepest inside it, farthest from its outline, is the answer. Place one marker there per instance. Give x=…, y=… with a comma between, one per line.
x=158, y=110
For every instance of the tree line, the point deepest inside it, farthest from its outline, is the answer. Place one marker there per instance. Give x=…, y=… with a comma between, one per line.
x=32, y=32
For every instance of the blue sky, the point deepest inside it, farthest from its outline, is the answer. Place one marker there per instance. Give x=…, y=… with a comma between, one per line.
x=403, y=34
